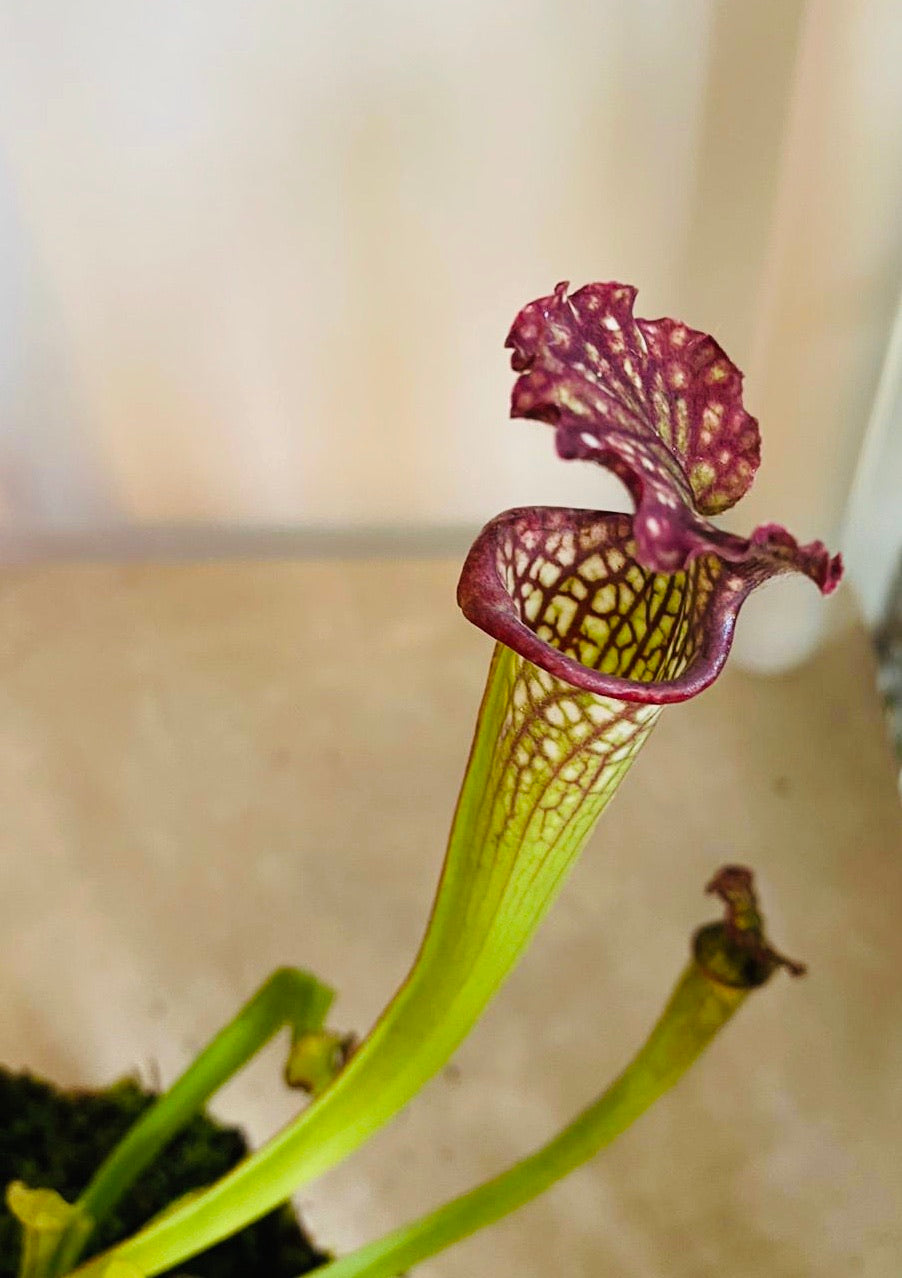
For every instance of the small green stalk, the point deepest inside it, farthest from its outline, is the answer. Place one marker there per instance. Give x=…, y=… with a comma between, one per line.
x=289, y=997
x=730, y=960
x=45, y=1216
x=698, y=1008
x=545, y=761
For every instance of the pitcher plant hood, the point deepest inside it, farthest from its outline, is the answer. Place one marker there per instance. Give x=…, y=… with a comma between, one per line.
x=641, y=607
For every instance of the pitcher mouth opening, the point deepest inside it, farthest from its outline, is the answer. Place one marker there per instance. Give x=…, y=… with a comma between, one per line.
x=563, y=588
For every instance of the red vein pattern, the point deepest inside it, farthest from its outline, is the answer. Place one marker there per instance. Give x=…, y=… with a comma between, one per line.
x=601, y=619
x=560, y=756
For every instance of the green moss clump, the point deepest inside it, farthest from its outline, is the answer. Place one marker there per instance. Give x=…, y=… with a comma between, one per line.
x=56, y=1140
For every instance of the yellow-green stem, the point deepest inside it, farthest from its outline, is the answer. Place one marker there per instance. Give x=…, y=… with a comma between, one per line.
x=698, y=1008
x=545, y=761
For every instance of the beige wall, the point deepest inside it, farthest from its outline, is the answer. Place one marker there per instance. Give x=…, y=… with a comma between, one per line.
x=259, y=258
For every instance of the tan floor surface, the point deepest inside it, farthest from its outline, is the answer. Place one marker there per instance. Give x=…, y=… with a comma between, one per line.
x=208, y=770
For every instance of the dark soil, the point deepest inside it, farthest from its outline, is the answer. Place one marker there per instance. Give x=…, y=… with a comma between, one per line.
x=56, y=1140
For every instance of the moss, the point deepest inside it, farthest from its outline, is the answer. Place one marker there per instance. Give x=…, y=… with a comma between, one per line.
x=56, y=1139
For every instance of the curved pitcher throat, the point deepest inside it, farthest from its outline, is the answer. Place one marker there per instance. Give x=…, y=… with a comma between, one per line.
x=546, y=759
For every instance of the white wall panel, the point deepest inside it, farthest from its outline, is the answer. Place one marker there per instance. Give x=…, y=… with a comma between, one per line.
x=259, y=259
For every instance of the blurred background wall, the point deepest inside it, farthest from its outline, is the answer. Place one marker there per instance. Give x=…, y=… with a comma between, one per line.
x=257, y=259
